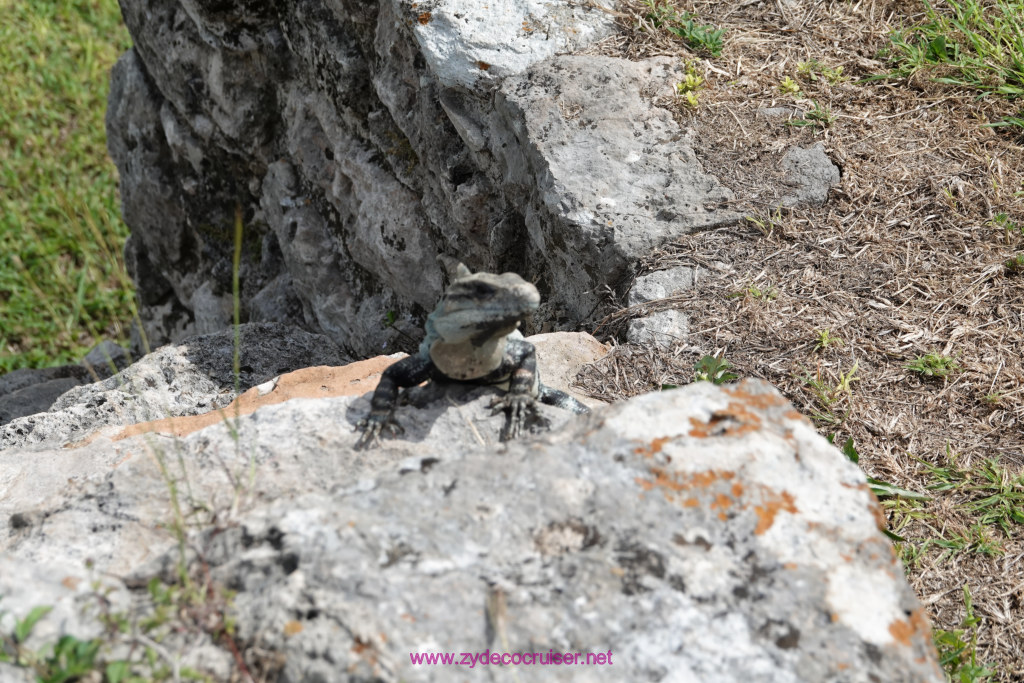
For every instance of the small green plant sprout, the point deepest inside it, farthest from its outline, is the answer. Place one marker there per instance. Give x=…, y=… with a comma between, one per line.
x=390, y=318
x=697, y=36
x=999, y=497
x=826, y=339
x=814, y=69
x=691, y=84
x=958, y=654
x=770, y=293
x=933, y=365
x=816, y=116
x=1015, y=266
x=769, y=223
x=714, y=370
x=993, y=398
x=1003, y=222
x=789, y=87
x=827, y=396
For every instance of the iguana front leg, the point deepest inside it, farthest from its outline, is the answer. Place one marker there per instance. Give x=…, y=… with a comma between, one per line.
x=522, y=389
x=407, y=372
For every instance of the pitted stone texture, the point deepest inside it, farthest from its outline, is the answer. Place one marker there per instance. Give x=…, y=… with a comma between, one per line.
x=473, y=43
x=604, y=176
x=357, y=152
x=700, y=534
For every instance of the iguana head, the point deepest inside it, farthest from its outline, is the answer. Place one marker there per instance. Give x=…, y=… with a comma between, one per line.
x=481, y=307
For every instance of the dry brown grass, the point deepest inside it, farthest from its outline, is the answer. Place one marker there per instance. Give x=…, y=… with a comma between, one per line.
x=903, y=260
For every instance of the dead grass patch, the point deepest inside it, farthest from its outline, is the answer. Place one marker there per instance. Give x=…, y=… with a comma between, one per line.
x=906, y=258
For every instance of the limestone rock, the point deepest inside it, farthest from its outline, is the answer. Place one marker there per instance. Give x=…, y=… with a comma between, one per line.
x=704, y=533
x=811, y=173
x=663, y=328
x=359, y=141
x=466, y=41
x=29, y=391
x=195, y=377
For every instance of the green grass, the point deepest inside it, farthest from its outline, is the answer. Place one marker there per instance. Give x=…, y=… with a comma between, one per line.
x=970, y=44
x=62, y=283
x=697, y=36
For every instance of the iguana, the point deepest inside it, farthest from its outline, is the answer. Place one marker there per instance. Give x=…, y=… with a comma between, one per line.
x=473, y=337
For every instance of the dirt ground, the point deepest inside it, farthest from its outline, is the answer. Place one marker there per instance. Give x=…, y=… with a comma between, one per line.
x=906, y=258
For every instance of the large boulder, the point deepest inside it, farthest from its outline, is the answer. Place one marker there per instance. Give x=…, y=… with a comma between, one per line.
x=699, y=534
x=357, y=142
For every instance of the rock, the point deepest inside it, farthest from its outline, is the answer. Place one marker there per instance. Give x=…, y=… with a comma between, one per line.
x=663, y=328
x=360, y=141
x=70, y=592
x=174, y=381
x=36, y=390
x=30, y=391
x=661, y=284
x=703, y=533
x=602, y=174
x=17, y=380
x=559, y=357
x=465, y=42
x=811, y=172
x=105, y=359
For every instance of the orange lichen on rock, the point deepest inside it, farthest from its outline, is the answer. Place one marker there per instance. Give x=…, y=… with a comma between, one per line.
x=424, y=18
x=766, y=513
x=903, y=631
x=734, y=420
x=317, y=382
x=760, y=400
x=655, y=447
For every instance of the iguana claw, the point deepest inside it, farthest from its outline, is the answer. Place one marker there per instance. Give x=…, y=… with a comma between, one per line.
x=516, y=406
x=373, y=425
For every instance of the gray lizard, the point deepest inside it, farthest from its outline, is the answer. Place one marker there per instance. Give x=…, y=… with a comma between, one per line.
x=473, y=337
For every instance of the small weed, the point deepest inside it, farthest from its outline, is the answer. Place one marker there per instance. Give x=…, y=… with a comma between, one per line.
x=697, y=36
x=814, y=69
x=976, y=540
x=1002, y=497
x=933, y=365
x=828, y=396
x=958, y=654
x=769, y=223
x=1015, y=266
x=714, y=370
x=826, y=339
x=993, y=398
x=816, y=116
x=767, y=294
x=880, y=488
x=790, y=87
x=1003, y=222
x=690, y=86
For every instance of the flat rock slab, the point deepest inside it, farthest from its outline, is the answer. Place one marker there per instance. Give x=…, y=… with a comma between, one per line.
x=699, y=534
